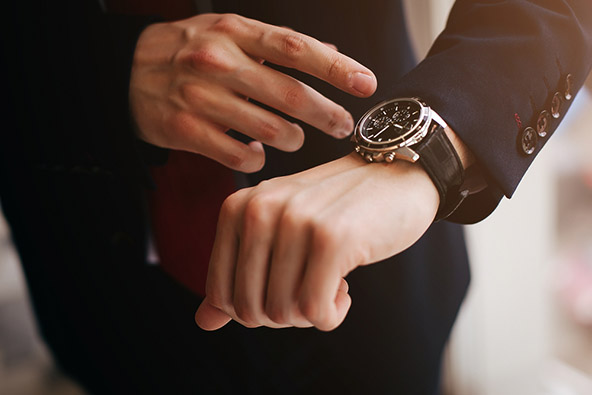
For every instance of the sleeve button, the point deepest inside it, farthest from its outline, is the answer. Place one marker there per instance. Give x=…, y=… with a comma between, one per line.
x=556, y=105
x=528, y=140
x=568, y=87
x=542, y=123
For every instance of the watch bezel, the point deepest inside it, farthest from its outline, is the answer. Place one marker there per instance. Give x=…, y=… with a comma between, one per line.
x=413, y=136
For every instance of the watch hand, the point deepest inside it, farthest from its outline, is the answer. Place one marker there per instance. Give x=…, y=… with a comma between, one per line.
x=381, y=130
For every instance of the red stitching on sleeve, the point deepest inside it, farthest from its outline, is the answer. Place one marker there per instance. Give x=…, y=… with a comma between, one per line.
x=518, y=121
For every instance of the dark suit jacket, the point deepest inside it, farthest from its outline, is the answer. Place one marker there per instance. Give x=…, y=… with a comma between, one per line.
x=73, y=178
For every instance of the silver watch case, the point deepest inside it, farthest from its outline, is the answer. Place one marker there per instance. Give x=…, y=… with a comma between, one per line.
x=401, y=147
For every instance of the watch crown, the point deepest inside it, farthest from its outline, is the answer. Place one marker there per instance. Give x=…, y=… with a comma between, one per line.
x=389, y=157
x=369, y=157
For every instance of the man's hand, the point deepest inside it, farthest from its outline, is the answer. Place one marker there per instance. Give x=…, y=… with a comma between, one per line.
x=190, y=79
x=283, y=248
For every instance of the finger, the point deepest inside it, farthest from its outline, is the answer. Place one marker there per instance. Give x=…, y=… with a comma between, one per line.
x=329, y=45
x=295, y=50
x=220, y=280
x=343, y=302
x=253, y=121
x=286, y=273
x=294, y=98
x=210, y=318
x=205, y=138
x=259, y=220
x=221, y=272
x=321, y=300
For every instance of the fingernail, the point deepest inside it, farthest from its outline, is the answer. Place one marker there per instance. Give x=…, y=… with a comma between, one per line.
x=256, y=146
x=363, y=83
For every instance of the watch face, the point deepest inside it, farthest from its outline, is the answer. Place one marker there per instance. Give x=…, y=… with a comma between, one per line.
x=390, y=121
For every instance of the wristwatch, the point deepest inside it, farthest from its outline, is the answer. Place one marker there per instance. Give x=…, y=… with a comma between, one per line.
x=408, y=129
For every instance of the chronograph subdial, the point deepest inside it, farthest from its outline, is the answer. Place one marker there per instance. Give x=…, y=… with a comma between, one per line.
x=390, y=122
x=404, y=116
x=378, y=126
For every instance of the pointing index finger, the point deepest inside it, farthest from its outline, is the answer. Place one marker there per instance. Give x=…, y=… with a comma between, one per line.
x=288, y=48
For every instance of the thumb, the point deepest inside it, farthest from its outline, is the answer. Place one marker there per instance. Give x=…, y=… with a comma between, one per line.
x=210, y=318
x=342, y=301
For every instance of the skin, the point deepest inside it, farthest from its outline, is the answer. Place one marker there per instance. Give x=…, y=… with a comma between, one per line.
x=190, y=79
x=282, y=248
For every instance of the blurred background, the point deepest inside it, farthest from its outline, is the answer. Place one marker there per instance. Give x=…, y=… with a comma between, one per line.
x=526, y=326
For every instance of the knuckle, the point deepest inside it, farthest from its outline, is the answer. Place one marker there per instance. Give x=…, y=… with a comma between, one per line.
x=293, y=45
x=264, y=37
x=235, y=159
x=292, y=219
x=255, y=212
x=294, y=96
x=210, y=58
x=335, y=67
x=268, y=131
x=266, y=185
x=297, y=215
x=227, y=23
x=335, y=118
x=231, y=204
x=189, y=33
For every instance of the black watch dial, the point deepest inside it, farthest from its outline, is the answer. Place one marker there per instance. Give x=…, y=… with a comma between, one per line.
x=390, y=121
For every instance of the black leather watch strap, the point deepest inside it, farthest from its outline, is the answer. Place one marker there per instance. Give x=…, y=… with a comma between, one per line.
x=440, y=160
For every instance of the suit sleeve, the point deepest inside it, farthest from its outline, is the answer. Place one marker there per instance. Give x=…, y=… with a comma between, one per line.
x=498, y=69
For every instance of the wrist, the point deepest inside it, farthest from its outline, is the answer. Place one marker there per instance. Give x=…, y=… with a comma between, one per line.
x=423, y=195
x=474, y=181
x=464, y=153
x=427, y=194
x=408, y=129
